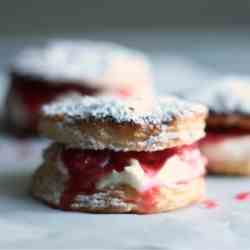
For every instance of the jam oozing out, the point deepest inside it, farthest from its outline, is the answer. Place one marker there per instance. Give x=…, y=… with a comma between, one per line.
x=146, y=201
x=87, y=167
x=242, y=196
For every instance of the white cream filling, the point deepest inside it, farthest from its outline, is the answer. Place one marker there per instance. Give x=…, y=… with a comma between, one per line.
x=233, y=149
x=174, y=171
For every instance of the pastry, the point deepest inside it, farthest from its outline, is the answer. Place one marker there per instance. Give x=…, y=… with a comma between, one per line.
x=227, y=143
x=39, y=75
x=115, y=155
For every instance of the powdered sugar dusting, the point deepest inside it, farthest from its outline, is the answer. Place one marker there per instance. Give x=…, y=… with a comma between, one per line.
x=228, y=95
x=130, y=110
x=72, y=60
x=99, y=200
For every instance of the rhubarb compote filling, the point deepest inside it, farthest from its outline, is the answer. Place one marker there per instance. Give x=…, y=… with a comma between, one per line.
x=91, y=171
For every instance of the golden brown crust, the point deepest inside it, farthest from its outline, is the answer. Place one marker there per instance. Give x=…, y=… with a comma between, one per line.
x=101, y=135
x=228, y=121
x=230, y=168
x=48, y=185
x=95, y=123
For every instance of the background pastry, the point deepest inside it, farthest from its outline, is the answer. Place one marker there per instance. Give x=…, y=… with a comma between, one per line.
x=38, y=75
x=227, y=144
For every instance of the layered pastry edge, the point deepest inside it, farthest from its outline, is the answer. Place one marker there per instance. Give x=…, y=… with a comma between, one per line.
x=90, y=177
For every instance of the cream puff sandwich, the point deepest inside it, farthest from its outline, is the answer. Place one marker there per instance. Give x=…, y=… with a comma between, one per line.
x=227, y=143
x=121, y=156
x=38, y=75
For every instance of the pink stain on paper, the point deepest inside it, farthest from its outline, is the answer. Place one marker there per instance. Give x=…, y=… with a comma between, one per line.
x=242, y=196
x=209, y=204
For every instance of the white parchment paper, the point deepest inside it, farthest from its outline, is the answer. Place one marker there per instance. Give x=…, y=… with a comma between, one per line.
x=28, y=224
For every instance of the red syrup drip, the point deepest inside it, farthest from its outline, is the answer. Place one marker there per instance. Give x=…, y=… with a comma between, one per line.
x=146, y=201
x=87, y=167
x=243, y=196
x=34, y=95
x=209, y=204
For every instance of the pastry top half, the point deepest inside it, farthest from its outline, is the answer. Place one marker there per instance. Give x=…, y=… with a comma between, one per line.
x=94, y=63
x=228, y=101
x=123, y=125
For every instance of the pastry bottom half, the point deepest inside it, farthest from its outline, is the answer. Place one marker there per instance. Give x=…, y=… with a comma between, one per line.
x=49, y=184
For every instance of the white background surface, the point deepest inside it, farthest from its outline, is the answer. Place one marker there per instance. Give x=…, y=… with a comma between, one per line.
x=180, y=60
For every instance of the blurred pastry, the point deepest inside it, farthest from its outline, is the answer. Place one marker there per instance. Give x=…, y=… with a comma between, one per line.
x=227, y=144
x=121, y=156
x=38, y=75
